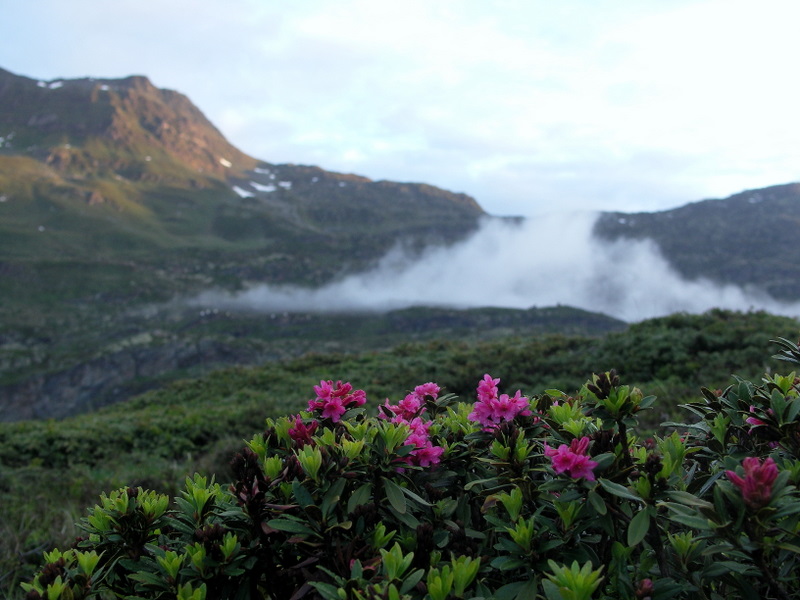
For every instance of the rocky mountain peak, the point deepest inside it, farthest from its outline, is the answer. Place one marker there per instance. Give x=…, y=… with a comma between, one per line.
x=77, y=125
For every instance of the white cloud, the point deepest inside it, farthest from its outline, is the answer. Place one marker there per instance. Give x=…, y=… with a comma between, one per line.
x=543, y=262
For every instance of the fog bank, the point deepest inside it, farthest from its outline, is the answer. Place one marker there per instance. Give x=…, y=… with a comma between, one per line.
x=539, y=262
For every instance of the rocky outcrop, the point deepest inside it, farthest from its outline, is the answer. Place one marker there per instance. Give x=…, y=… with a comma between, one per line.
x=113, y=378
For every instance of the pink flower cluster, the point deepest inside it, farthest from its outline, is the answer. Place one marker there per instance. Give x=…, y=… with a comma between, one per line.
x=572, y=459
x=408, y=412
x=425, y=453
x=333, y=400
x=756, y=485
x=413, y=405
x=301, y=433
x=492, y=409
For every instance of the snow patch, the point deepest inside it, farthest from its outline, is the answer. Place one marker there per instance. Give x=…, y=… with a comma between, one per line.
x=261, y=170
x=287, y=185
x=3, y=198
x=262, y=188
x=225, y=162
x=243, y=193
x=314, y=179
x=104, y=88
x=342, y=184
x=55, y=85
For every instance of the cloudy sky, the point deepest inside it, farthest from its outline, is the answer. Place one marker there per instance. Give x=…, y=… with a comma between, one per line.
x=530, y=106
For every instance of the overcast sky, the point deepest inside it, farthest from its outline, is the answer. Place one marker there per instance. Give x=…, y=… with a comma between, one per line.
x=530, y=106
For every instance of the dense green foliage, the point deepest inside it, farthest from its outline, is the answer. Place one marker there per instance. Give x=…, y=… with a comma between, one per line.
x=553, y=496
x=50, y=470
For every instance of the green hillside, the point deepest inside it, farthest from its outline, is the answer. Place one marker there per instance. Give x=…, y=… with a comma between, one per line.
x=49, y=470
x=116, y=196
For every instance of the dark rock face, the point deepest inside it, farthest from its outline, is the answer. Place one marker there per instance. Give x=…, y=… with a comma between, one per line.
x=110, y=378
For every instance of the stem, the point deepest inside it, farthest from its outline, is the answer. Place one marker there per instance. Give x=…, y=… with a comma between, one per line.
x=773, y=583
x=623, y=434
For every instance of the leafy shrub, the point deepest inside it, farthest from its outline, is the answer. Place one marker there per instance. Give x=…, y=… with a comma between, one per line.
x=552, y=496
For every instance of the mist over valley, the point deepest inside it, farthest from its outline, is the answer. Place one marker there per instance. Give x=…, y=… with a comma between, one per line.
x=551, y=260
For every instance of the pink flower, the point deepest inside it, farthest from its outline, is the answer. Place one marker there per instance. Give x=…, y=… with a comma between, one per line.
x=427, y=455
x=490, y=410
x=756, y=485
x=333, y=400
x=752, y=420
x=487, y=388
x=411, y=406
x=424, y=453
x=333, y=409
x=427, y=389
x=572, y=459
x=301, y=433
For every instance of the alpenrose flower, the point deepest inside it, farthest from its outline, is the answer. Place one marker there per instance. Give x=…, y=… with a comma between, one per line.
x=572, y=459
x=302, y=433
x=333, y=400
x=425, y=454
x=756, y=485
x=492, y=409
x=412, y=405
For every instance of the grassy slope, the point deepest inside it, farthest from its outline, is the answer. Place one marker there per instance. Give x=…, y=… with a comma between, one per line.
x=50, y=470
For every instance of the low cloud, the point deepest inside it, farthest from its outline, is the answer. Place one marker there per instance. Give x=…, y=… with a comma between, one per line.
x=545, y=261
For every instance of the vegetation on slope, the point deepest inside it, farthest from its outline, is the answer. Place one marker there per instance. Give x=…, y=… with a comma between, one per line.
x=52, y=469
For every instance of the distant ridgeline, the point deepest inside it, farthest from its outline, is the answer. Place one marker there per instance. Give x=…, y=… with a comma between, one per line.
x=117, y=198
x=748, y=239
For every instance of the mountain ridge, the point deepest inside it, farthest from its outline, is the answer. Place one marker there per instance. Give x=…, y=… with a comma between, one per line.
x=746, y=239
x=116, y=197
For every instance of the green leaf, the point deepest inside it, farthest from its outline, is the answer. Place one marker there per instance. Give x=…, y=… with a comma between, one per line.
x=686, y=516
x=415, y=497
x=618, y=490
x=597, y=503
x=688, y=499
x=794, y=409
x=412, y=580
x=326, y=590
x=291, y=527
x=507, y=563
x=302, y=495
x=361, y=496
x=604, y=461
x=551, y=590
x=332, y=497
x=395, y=495
x=638, y=527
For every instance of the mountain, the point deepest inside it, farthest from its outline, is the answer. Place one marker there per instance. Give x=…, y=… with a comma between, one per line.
x=117, y=196
x=747, y=239
x=107, y=168
x=118, y=199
